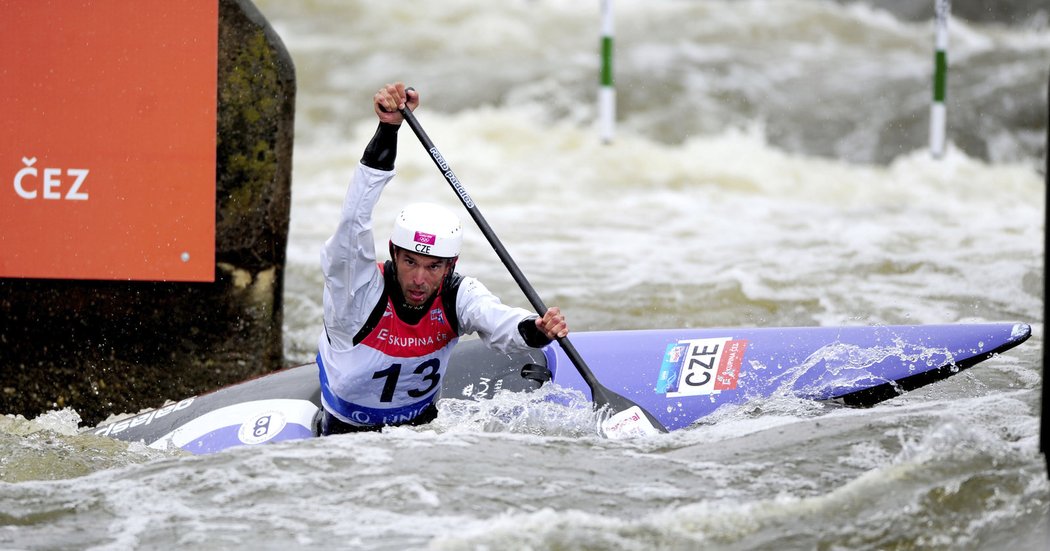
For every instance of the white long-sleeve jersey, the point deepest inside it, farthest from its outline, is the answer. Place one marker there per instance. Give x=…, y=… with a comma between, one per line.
x=354, y=285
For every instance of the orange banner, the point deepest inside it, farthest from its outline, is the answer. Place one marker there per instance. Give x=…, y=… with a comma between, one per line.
x=107, y=147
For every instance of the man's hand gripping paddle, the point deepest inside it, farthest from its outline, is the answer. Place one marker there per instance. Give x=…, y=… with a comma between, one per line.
x=619, y=417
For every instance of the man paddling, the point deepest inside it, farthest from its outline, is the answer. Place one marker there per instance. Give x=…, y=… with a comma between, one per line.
x=389, y=328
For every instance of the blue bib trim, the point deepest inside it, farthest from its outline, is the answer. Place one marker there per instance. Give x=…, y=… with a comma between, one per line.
x=366, y=416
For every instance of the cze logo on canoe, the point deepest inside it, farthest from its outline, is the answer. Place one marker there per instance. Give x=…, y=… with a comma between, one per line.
x=701, y=367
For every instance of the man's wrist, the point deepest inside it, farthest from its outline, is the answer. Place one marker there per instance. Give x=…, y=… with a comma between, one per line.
x=532, y=334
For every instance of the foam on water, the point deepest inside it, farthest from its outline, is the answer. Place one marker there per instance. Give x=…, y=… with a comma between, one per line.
x=50, y=447
x=952, y=464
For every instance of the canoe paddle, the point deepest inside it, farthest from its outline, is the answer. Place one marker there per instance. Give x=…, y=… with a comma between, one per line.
x=619, y=417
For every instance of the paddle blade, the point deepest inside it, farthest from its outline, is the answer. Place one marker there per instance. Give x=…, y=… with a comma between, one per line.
x=620, y=418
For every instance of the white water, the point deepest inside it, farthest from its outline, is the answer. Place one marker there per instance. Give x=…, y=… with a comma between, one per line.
x=769, y=169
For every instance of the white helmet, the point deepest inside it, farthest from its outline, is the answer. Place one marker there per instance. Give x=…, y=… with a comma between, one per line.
x=430, y=229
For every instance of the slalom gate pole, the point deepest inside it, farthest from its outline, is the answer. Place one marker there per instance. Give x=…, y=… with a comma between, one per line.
x=607, y=92
x=938, y=116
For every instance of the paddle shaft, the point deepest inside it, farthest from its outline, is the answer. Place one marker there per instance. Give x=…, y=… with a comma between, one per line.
x=530, y=293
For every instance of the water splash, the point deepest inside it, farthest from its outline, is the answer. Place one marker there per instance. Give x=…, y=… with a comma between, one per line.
x=50, y=447
x=549, y=411
x=841, y=366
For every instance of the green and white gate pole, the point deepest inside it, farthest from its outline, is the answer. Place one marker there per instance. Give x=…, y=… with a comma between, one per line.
x=607, y=92
x=938, y=115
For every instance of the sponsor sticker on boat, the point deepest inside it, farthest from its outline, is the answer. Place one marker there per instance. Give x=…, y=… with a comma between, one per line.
x=701, y=366
x=261, y=427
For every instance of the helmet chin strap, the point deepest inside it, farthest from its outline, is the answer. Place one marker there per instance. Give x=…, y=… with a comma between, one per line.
x=447, y=281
